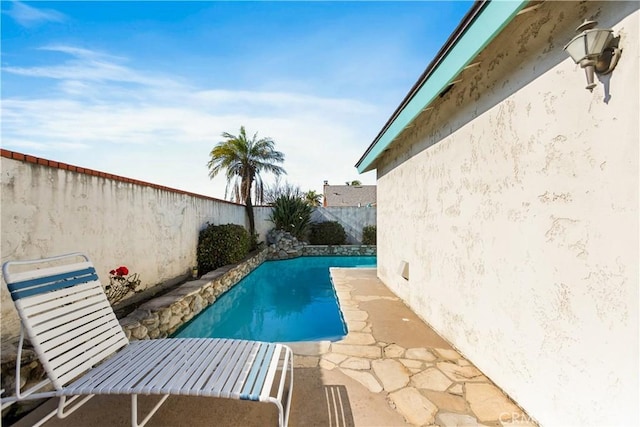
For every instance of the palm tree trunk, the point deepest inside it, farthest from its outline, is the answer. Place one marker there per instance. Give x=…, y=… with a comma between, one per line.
x=252, y=222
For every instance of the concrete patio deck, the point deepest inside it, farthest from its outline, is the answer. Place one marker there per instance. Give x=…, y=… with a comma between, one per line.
x=390, y=370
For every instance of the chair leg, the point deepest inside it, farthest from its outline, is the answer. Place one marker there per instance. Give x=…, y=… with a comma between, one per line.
x=134, y=410
x=63, y=403
x=290, y=392
x=283, y=410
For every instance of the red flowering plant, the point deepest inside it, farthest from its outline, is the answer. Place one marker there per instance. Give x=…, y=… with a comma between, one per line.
x=121, y=283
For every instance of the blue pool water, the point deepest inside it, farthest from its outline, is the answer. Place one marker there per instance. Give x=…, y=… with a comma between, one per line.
x=280, y=301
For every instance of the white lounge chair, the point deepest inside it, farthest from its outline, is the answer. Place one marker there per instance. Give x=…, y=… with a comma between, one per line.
x=75, y=333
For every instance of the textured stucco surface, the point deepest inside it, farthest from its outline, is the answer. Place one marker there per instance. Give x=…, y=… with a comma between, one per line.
x=515, y=203
x=48, y=211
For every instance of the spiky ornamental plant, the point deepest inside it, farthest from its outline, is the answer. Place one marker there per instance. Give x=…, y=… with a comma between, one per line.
x=291, y=214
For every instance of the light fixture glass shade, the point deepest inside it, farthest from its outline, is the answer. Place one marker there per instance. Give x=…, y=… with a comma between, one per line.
x=589, y=44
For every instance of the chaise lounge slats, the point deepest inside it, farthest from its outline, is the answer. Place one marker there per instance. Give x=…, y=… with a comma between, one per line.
x=174, y=374
x=40, y=285
x=268, y=379
x=245, y=392
x=222, y=384
x=197, y=374
x=77, y=337
x=50, y=301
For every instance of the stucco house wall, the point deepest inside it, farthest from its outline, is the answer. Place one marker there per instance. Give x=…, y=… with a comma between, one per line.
x=514, y=201
x=49, y=211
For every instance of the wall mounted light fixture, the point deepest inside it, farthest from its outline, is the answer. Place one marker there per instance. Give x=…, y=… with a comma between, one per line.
x=593, y=50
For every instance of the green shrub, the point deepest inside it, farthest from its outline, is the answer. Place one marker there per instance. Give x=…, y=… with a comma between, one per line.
x=327, y=233
x=291, y=213
x=369, y=235
x=220, y=245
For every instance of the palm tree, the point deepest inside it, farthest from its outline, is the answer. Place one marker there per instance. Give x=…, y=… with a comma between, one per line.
x=312, y=198
x=244, y=160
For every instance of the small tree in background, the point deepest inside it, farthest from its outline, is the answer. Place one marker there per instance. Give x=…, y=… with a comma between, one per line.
x=312, y=198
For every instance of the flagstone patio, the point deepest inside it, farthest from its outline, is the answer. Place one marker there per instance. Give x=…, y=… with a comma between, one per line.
x=390, y=370
x=390, y=351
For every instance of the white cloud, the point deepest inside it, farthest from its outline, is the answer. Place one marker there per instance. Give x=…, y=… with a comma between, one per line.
x=30, y=145
x=81, y=52
x=161, y=130
x=30, y=17
x=87, y=65
x=283, y=100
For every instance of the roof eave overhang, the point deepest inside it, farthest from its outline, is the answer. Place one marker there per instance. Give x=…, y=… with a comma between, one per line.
x=482, y=24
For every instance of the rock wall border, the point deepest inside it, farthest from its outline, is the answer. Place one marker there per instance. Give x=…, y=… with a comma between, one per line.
x=162, y=316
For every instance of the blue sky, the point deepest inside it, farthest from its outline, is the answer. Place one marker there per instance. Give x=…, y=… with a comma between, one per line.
x=145, y=89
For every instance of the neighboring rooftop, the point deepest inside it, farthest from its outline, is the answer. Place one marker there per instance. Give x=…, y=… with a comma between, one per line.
x=349, y=195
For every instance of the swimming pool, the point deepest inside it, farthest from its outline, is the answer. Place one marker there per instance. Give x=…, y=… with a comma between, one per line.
x=280, y=301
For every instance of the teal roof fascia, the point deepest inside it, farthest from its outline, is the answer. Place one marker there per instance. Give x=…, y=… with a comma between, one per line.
x=487, y=25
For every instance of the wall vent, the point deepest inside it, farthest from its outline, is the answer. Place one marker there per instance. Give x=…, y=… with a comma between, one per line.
x=404, y=270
